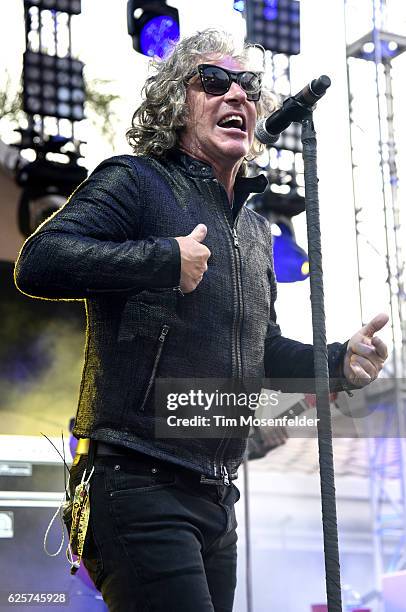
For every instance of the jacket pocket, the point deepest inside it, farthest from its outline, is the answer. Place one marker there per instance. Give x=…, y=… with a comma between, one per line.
x=158, y=352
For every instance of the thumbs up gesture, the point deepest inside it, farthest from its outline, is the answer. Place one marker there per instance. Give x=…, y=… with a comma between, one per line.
x=366, y=353
x=194, y=256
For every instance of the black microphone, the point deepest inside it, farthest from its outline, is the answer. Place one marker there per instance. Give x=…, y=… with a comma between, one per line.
x=294, y=108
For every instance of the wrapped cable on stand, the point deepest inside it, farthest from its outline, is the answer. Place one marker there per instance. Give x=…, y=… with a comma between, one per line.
x=328, y=499
x=299, y=108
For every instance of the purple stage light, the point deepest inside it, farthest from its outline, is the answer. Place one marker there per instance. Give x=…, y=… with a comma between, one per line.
x=158, y=35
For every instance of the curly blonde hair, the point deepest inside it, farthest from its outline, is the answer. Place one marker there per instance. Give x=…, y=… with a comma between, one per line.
x=157, y=123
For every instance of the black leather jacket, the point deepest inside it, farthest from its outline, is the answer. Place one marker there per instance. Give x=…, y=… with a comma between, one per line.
x=112, y=245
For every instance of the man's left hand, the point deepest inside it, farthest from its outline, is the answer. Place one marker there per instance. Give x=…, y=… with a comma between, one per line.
x=366, y=353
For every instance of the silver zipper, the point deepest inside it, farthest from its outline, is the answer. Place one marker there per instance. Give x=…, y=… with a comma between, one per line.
x=161, y=340
x=236, y=334
x=179, y=290
x=225, y=476
x=235, y=237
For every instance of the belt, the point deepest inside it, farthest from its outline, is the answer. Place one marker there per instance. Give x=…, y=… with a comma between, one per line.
x=104, y=448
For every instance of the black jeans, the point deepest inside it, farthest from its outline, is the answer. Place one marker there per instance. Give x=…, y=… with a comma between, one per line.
x=158, y=540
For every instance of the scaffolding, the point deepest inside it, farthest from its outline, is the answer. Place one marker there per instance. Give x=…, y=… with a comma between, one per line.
x=370, y=61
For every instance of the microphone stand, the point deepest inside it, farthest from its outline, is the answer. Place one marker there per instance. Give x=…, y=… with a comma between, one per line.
x=295, y=110
x=324, y=429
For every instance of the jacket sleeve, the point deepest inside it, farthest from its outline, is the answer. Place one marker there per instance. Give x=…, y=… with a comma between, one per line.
x=90, y=245
x=290, y=364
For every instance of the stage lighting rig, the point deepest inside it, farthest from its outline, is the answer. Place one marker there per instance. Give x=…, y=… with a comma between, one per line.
x=391, y=45
x=53, y=86
x=274, y=24
x=71, y=7
x=290, y=139
x=291, y=261
x=153, y=26
x=47, y=183
x=53, y=99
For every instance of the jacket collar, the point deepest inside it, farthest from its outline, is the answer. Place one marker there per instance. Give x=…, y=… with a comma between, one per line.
x=243, y=186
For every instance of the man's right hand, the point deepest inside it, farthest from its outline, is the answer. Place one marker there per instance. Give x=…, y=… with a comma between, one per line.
x=194, y=258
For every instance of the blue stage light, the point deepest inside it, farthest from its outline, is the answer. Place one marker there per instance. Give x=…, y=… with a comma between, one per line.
x=291, y=261
x=270, y=10
x=295, y=15
x=239, y=5
x=270, y=13
x=153, y=26
x=157, y=36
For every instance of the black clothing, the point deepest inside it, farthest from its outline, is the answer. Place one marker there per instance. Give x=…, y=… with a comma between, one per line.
x=113, y=245
x=158, y=539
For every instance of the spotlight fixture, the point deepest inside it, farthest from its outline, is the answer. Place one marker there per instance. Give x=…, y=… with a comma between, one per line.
x=391, y=45
x=153, y=26
x=239, y=5
x=46, y=184
x=53, y=86
x=291, y=261
x=274, y=24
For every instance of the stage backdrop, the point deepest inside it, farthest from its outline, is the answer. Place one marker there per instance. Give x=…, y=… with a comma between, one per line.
x=41, y=356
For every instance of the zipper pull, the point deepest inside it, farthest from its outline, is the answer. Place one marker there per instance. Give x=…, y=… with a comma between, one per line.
x=164, y=332
x=179, y=290
x=226, y=478
x=236, y=243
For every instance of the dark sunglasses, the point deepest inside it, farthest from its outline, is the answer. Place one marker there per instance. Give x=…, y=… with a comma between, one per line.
x=217, y=81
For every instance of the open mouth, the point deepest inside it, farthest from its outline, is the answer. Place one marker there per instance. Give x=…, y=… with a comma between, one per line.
x=232, y=121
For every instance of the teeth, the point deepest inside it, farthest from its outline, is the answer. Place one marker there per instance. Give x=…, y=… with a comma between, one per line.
x=231, y=118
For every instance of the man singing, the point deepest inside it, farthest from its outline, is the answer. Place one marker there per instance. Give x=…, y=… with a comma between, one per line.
x=178, y=281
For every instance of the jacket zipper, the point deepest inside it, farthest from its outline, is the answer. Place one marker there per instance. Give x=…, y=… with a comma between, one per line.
x=161, y=341
x=236, y=336
x=179, y=290
x=238, y=320
x=225, y=476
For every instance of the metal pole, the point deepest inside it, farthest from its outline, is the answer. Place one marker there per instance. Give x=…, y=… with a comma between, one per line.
x=394, y=183
x=378, y=63
x=395, y=308
x=356, y=210
x=328, y=500
x=248, y=571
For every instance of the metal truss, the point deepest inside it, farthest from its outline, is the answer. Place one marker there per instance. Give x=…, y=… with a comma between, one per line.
x=370, y=61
